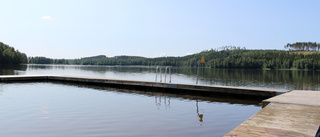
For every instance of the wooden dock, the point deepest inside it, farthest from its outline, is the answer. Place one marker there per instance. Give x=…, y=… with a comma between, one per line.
x=293, y=114
x=285, y=113
x=256, y=92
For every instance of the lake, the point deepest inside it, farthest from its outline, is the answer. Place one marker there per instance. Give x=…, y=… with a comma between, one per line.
x=274, y=79
x=41, y=109
x=44, y=109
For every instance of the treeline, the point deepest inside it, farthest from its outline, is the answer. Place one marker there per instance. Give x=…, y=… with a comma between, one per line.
x=44, y=60
x=10, y=56
x=303, y=46
x=225, y=57
x=255, y=59
x=117, y=60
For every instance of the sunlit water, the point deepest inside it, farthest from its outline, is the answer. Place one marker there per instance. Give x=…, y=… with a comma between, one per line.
x=56, y=109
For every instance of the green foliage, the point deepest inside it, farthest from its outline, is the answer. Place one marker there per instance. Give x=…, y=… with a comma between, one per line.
x=10, y=56
x=224, y=57
x=117, y=60
x=44, y=60
x=303, y=46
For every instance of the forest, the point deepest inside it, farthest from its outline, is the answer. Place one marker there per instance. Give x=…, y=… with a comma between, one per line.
x=44, y=60
x=299, y=55
x=224, y=57
x=303, y=46
x=10, y=56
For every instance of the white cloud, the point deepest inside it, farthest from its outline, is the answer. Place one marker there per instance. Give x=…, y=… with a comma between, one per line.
x=46, y=18
x=160, y=55
x=189, y=53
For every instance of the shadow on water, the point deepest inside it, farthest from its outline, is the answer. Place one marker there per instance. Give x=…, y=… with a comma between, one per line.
x=12, y=70
x=166, y=94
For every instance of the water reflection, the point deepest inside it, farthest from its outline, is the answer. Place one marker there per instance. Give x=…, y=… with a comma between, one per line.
x=199, y=115
x=12, y=70
x=66, y=109
x=159, y=99
x=276, y=79
x=1, y=88
x=282, y=79
x=163, y=97
x=45, y=111
x=94, y=68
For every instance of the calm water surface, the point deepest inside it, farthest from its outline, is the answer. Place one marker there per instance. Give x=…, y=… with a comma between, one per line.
x=54, y=109
x=275, y=79
x=57, y=109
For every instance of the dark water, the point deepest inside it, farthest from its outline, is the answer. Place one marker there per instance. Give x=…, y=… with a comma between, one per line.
x=275, y=79
x=57, y=109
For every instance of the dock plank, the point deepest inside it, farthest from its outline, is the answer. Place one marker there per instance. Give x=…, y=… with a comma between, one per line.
x=296, y=113
x=278, y=119
x=296, y=97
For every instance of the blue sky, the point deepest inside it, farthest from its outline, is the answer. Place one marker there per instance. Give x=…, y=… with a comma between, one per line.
x=153, y=28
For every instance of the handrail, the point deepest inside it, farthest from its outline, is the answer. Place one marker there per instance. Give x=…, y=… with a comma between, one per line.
x=165, y=76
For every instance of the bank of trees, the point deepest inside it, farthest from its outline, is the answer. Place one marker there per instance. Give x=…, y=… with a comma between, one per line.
x=255, y=59
x=44, y=60
x=10, y=56
x=224, y=57
x=218, y=58
x=303, y=46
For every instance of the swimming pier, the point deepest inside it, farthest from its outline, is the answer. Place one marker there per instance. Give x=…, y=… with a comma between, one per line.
x=283, y=113
x=257, y=92
x=293, y=114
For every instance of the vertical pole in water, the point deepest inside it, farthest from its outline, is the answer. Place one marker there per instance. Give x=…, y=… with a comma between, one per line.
x=201, y=62
x=170, y=74
x=198, y=73
x=156, y=73
x=160, y=75
x=165, y=76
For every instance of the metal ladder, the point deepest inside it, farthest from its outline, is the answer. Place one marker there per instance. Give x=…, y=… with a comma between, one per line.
x=165, y=76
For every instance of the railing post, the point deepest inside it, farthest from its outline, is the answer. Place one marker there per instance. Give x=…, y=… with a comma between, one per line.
x=198, y=73
x=160, y=75
x=165, y=76
x=170, y=74
x=156, y=73
x=201, y=62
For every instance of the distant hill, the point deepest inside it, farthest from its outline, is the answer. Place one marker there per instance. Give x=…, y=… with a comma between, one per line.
x=115, y=57
x=95, y=57
x=10, y=56
x=225, y=57
x=129, y=57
